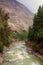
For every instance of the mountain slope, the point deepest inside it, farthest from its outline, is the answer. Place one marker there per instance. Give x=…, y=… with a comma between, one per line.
x=20, y=17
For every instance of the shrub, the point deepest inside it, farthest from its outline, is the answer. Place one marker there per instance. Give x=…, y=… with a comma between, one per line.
x=1, y=47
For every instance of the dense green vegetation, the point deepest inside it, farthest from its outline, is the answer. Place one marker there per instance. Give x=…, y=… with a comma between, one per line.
x=36, y=31
x=1, y=46
x=4, y=29
x=19, y=35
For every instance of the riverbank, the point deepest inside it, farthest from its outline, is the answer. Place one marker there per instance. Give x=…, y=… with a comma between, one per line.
x=6, y=49
x=31, y=51
x=1, y=58
x=34, y=53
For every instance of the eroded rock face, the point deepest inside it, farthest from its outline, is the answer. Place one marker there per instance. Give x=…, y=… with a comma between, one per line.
x=20, y=17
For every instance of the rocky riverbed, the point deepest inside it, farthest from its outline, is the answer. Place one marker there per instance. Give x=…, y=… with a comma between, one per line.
x=18, y=55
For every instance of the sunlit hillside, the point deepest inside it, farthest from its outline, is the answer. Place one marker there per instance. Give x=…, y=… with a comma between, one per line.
x=20, y=17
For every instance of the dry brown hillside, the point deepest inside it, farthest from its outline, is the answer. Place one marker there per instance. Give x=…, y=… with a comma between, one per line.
x=20, y=17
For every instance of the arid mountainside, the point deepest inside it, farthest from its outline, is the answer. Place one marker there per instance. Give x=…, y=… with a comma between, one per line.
x=20, y=17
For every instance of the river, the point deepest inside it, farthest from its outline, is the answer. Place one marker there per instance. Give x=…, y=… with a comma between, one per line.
x=18, y=55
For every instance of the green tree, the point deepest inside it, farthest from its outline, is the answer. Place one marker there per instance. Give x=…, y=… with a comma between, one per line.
x=36, y=31
x=4, y=28
x=37, y=28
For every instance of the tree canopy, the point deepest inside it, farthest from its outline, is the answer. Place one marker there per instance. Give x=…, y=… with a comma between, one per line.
x=4, y=28
x=36, y=31
x=37, y=28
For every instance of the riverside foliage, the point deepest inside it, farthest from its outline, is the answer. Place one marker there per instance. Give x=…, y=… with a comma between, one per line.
x=20, y=35
x=36, y=31
x=4, y=29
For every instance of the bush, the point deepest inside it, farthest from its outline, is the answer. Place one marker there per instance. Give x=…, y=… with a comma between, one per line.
x=20, y=35
x=7, y=41
x=1, y=47
x=37, y=47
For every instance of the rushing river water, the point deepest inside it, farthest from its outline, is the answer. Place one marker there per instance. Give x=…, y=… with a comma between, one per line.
x=18, y=55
